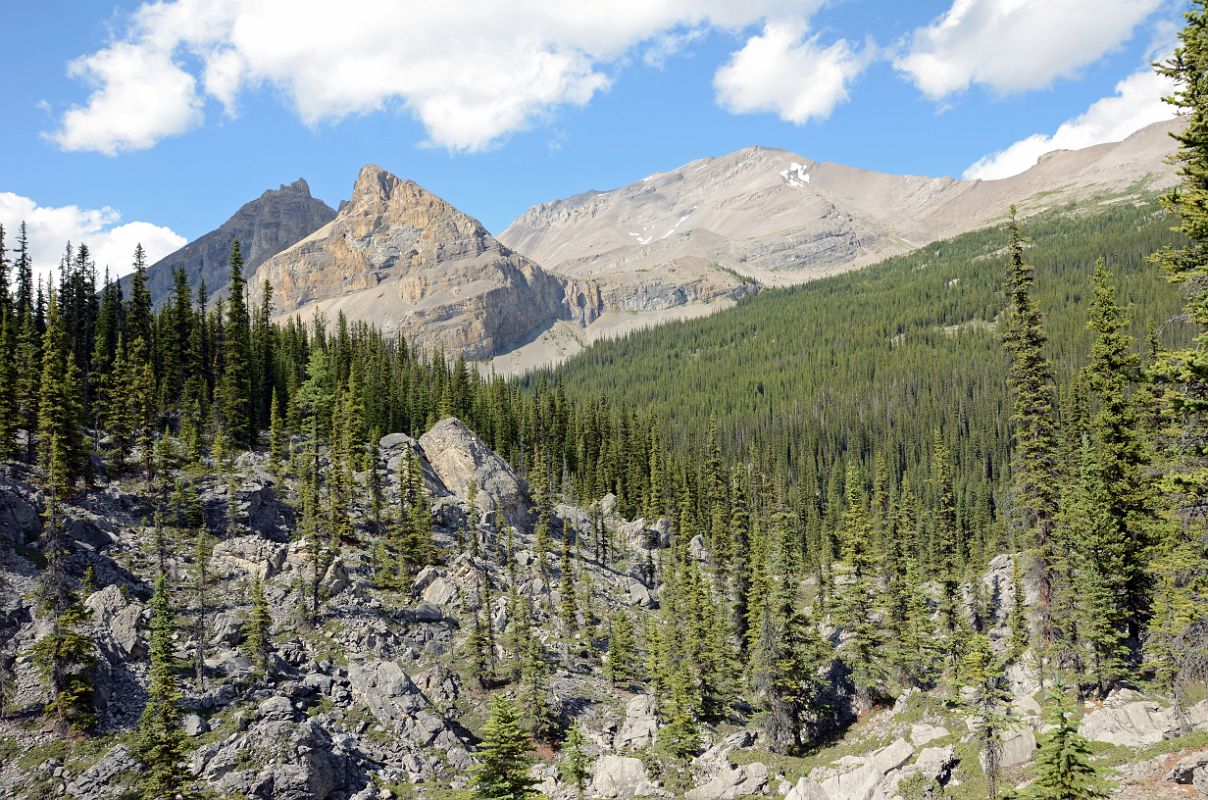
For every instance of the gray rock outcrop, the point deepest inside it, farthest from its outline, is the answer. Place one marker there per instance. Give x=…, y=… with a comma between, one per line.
x=263, y=227
x=460, y=458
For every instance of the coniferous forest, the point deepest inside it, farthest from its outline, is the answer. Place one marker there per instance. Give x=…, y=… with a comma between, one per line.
x=974, y=475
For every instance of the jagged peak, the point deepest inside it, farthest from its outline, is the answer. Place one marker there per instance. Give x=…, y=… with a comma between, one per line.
x=379, y=187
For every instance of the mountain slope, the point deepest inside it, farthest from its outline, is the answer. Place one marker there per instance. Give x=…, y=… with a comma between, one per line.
x=402, y=258
x=264, y=227
x=781, y=218
x=882, y=358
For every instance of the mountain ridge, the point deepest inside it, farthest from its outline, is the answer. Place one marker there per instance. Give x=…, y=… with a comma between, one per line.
x=263, y=227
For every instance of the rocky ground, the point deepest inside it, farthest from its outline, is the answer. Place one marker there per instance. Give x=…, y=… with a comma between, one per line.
x=376, y=699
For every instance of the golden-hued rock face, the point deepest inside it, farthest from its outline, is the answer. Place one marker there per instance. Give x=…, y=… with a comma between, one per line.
x=403, y=259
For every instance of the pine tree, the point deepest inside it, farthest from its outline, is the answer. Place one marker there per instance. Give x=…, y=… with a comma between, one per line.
x=541, y=716
x=162, y=743
x=796, y=685
x=1180, y=597
x=858, y=598
x=257, y=629
x=679, y=733
x=234, y=392
x=574, y=761
x=65, y=655
x=1062, y=769
x=1034, y=438
x=503, y=769
x=987, y=699
x=203, y=549
x=622, y=651
x=9, y=408
x=60, y=446
x=278, y=442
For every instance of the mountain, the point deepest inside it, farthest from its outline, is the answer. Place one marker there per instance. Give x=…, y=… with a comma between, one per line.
x=696, y=232
x=264, y=227
x=400, y=257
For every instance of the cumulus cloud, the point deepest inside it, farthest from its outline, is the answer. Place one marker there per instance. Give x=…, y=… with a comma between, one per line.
x=471, y=71
x=141, y=96
x=1136, y=103
x=111, y=241
x=1014, y=45
x=786, y=72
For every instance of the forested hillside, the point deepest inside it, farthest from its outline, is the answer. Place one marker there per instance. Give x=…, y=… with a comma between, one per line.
x=876, y=364
x=877, y=537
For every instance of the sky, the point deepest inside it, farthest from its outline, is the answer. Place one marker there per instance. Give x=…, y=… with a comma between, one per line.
x=153, y=122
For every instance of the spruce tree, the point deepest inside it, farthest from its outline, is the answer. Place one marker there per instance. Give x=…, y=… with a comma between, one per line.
x=1180, y=599
x=1033, y=436
x=797, y=685
x=858, y=597
x=257, y=629
x=162, y=743
x=502, y=772
x=1062, y=769
x=65, y=655
x=622, y=651
x=987, y=699
x=234, y=392
x=574, y=761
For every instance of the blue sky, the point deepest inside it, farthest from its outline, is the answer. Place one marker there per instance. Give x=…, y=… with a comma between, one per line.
x=155, y=122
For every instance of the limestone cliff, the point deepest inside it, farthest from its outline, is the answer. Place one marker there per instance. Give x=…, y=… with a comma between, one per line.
x=406, y=260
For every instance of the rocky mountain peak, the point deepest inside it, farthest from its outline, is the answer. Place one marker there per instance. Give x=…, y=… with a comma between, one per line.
x=299, y=186
x=402, y=258
x=263, y=227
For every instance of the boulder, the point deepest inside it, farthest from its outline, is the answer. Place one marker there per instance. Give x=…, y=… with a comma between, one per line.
x=806, y=789
x=335, y=580
x=247, y=555
x=1130, y=719
x=1018, y=746
x=440, y=592
x=1188, y=768
x=20, y=521
x=921, y=733
x=641, y=723
x=731, y=782
x=281, y=759
x=399, y=705
x=621, y=776
x=103, y=778
x=118, y=618
x=396, y=450
x=459, y=458
x=858, y=777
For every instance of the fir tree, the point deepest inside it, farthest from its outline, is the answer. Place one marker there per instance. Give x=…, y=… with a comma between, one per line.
x=796, y=683
x=574, y=761
x=1034, y=439
x=1180, y=602
x=1062, y=769
x=234, y=392
x=257, y=629
x=622, y=651
x=987, y=699
x=503, y=769
x=162, y=743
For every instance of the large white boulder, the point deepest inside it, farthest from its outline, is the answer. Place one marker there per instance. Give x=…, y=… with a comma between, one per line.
x=460, y=458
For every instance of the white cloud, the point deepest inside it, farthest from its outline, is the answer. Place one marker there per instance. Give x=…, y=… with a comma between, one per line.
x=471, y=71
x=141, y=97
x=1136, y=103
x=112, y=242
x=786, y=72
x=1013, y=45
